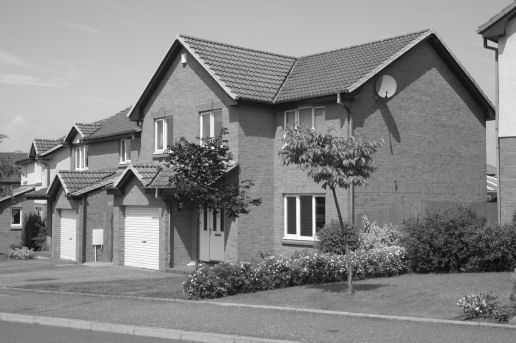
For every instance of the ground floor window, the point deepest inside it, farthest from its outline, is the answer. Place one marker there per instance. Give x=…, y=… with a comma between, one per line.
x=16, y=217
x=304, y=215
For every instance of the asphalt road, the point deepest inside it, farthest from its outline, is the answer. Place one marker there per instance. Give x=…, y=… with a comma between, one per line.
x=23, y=333
x=242, y=321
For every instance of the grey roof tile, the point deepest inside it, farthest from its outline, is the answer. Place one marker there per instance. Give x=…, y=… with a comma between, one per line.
x=42, y=145
x=17, y=192
x=115, y=125
x=74, y=181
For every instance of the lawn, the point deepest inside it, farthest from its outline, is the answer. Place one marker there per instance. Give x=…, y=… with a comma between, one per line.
x=429, y=295
x=169, y=287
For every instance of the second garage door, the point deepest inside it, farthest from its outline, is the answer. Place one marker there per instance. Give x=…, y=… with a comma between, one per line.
x=68, y=237
x=141, y=239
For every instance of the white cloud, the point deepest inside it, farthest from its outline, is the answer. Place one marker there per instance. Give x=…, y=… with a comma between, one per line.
x=60, y=78
x=81, y=27
x=11, y=60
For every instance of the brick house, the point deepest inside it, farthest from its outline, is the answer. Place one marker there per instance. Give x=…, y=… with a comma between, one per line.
x=499, y=34
x=433, y=125
x=81, y=207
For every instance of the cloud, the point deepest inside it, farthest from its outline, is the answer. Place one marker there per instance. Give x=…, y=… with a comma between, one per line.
x=96, y=100
x=11, y=60
x=61, y=78
x=81, y=27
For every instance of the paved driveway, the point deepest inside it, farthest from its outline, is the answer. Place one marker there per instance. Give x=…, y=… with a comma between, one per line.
x=19, y=272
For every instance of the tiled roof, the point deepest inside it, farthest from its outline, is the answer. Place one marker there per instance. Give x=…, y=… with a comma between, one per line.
x=115, y=125
x=42, y=145
x=74, y=181
x=39, y=194
x=497, y=17
x=7, y=163
x=271, y=78
x=343, y=70
x=86, y=129
x=17, y=191
x=146, y=172
x=250, y=74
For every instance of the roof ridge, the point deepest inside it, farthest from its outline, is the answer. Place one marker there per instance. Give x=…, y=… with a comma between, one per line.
x=237, y=46
x=369, y=43
x=284, y=81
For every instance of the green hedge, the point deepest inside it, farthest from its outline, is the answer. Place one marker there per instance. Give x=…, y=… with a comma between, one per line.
x=273, y=272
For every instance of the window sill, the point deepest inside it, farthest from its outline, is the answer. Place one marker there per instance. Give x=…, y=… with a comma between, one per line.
x=301, y=242
x=124, y=163
x=16, y=227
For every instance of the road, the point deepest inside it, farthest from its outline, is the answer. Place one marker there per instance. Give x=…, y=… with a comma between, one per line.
x=23, y=333
x=242, y=321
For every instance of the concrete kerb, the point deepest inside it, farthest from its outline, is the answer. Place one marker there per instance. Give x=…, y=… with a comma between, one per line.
x=141, y=331
x=280, y=308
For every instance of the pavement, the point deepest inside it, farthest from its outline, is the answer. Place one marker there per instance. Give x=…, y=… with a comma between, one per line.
x=210, y=322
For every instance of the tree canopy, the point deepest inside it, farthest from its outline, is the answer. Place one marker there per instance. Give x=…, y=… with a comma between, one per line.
x=198, y=176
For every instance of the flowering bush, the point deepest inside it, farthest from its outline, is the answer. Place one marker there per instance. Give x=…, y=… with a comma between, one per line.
x=279, y=272
x=373, y=236
x=22, y=253
x=484, y=305
x=331, y=239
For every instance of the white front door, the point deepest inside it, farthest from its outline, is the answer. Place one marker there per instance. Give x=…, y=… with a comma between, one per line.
x=211, y=235
x=141, y=237
x=68, y=237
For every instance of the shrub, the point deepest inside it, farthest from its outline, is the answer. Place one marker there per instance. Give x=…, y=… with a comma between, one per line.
x=331, y=239
x=23, y=253
x=34, y=234
x=438, y=242
x=373, y=236
x=485, y=306
x=279, y=272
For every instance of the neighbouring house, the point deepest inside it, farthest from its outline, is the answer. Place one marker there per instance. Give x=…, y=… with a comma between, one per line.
x=11, y=206
x=80, y=202
x=499, y=34
x=408, y=90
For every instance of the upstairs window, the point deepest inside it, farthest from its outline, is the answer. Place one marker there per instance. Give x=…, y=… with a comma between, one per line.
x=163, y=130
x=125, y=151
x=210, y=124
x=310, y=117
x=304, y=215
x=81, y=157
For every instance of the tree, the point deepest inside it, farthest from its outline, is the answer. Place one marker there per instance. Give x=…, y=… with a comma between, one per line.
x=2, y=137
x=331, y=161
x=198, y=172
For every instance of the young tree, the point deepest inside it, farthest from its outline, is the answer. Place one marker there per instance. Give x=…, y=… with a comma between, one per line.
x=331, y=161
x=198, y=176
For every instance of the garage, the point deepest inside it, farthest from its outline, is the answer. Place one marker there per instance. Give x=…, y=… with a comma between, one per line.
x=141, y=237
x=68, y=238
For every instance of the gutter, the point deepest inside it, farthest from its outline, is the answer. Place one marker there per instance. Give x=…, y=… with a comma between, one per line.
x=497, y=118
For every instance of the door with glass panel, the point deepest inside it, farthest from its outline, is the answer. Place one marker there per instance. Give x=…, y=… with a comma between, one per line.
x=211, y=235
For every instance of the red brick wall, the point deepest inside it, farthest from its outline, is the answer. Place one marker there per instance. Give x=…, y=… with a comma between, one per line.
x=99, y=215
x=507, y=195
x=434, y=135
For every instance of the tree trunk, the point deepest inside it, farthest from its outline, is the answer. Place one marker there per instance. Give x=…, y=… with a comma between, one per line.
x=341, y=223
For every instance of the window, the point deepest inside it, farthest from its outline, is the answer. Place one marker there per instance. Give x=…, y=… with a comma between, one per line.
x=211, y=124
x=163, y=134
x=312, y=117
x=16, y=217
x=304, y=215
x=125, y=151
x=81, y=157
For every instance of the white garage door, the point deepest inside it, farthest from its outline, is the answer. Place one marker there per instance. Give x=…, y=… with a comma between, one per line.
x=68, y=238
x=141, y=243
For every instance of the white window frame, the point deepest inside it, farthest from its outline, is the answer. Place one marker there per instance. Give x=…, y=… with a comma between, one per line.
x=212, y=123
x=298, y=236
x=80, y=157
x=20, y=224
x=296, y=111
x=164, y=137
x=126, y=143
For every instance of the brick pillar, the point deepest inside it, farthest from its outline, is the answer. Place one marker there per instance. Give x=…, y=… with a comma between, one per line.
x=507, y=181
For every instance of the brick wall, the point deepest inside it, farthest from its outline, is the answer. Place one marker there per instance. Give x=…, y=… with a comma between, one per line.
x=99, y=215
x=434, y=134
x=507, y=182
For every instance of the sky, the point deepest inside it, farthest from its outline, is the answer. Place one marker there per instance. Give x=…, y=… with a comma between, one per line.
x=67, y=61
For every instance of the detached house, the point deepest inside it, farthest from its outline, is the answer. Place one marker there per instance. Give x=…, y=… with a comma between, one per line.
x=408, y=90
x=82, y=208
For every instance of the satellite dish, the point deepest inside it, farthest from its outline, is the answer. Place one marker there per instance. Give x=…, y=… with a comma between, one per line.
x=385, y=86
